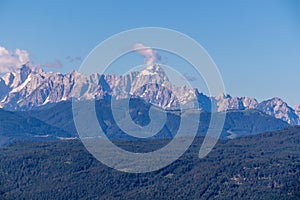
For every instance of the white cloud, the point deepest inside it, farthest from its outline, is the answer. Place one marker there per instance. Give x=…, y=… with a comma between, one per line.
x=10, y=61
x=150, y=55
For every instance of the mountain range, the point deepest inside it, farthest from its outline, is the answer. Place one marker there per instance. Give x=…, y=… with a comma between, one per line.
x=36, y=106
x=31, y=88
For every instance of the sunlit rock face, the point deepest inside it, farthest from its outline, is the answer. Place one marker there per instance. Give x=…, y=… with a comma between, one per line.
x=30, y=87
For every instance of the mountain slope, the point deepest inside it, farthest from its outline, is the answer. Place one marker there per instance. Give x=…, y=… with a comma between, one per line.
x=18, y=127
x=237, y=123
x=278, y=108
x=297, y=110
x=264, y=166
x=275, y=107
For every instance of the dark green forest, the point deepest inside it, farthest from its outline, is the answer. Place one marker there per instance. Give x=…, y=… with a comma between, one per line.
x=262, y=166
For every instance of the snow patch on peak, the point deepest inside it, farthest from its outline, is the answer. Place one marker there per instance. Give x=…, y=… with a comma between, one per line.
x=276, y=107
x=20, y=87
x=147, y=73
x=64, y=99
x=30, y=87
x=152, y=70
x=8, y=78
x=47, y=100
x=156, y=68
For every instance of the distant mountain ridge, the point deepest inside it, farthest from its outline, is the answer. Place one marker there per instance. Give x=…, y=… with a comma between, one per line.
x=15, y=127
x=56, y=122
x=274, y=107
x=30, y=88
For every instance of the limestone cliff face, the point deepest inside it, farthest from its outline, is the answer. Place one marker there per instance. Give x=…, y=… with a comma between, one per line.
x=30, y=87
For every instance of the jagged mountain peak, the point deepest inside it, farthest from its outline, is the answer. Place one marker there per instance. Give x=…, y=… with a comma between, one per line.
x=153, y=69
x=154, y=72
x=275, y=107
x=275, y=100
x=32, y=87
x=275, y=103
x=278, y=108
x=249, y=103
x=74, y=73
x=8, y=78
x=25, y=70
x=222, y=96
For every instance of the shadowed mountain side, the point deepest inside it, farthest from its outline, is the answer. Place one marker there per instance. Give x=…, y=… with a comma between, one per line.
x=237, y=123
x=19, y=127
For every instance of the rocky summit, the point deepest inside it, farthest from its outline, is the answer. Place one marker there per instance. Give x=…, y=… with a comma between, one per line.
x=29, y=88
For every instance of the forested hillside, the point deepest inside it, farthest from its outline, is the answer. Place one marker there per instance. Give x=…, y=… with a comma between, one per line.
x=263, y=166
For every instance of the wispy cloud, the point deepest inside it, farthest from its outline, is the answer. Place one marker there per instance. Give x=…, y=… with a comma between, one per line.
x=12, y=60
x=189, y=77
x=150, y=56
x=54, y=64
x=73, y=58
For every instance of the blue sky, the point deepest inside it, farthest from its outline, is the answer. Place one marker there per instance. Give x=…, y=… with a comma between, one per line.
x=255, y=44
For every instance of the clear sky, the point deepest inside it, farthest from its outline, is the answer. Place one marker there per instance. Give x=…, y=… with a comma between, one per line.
x=255, y=44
